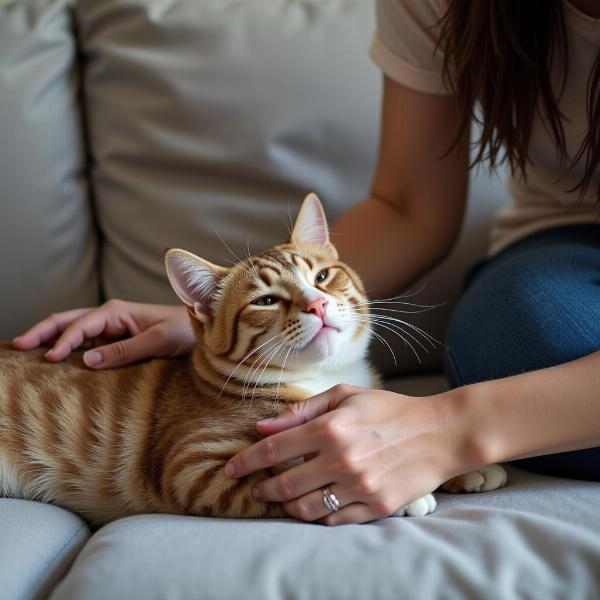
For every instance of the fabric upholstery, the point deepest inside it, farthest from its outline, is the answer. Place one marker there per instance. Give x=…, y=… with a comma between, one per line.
x=39, y=543
x=213, y=119
x=537, y=538
x=47, y=237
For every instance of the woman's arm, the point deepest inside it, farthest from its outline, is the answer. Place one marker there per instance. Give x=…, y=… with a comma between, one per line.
x=414, y=212
x=541, y=412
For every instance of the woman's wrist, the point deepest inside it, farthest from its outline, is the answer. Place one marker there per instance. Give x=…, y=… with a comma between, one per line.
x=530, y=414
x=465, y=416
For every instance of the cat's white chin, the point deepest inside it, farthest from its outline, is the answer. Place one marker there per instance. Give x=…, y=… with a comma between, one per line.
x=324, y=344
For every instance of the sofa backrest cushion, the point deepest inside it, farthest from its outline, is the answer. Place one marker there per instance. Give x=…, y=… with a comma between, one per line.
x=47, y=235
x=212, y=120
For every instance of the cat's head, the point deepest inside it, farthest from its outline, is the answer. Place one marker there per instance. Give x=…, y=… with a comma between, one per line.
x=295, y=305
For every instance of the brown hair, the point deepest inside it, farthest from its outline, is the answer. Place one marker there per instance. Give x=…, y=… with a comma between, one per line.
x=500, y=53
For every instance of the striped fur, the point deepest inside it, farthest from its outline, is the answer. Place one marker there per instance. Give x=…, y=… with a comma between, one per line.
x=154, y=437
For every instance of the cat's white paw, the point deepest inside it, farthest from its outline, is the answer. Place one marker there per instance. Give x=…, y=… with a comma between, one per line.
x=486, y=479
x=418, y=508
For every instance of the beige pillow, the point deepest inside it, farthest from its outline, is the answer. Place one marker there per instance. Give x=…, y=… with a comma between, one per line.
x=47, y=237
x=213, y=119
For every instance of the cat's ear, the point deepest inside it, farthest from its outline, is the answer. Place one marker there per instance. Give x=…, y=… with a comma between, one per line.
x=311, y=225
x=194, y=280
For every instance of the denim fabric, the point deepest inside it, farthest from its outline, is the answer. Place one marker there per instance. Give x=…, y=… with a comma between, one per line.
x=536, y=304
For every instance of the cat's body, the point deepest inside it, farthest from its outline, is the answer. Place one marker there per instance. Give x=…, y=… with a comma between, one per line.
x=143, y=438
x=111, y=443
x=274, y=329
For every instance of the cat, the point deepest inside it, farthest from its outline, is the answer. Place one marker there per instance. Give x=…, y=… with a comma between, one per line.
x=155, y=436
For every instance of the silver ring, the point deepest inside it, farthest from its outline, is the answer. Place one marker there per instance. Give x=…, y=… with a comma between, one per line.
x=330, y=500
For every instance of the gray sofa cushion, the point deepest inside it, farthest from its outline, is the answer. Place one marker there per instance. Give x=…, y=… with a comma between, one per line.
x=216, y=118
x=39, y=543
x=537, y=538
x=47, y=238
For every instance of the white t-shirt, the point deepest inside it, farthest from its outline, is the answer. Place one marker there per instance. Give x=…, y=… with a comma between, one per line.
x=404, y=49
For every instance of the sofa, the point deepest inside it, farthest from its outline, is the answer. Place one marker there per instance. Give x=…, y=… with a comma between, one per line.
x=129, y=126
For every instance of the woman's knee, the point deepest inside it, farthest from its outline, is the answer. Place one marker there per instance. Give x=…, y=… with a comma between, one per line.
x=532, y=310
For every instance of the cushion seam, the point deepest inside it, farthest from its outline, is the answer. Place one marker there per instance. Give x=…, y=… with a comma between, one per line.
x=60, y=552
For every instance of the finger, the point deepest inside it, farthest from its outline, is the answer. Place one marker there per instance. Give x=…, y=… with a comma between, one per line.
x=124, y=352
x=48, y=329
x=353, y=513
x=101, y=340
x=302, y=412
x=274, y=450
x=99, y=322
x=312, y=506
x=89, y=326
x=294, y=483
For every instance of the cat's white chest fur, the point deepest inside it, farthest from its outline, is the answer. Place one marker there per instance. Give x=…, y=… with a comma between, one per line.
x=357, y=373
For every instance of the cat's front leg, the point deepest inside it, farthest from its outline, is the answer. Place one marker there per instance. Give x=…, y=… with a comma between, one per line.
x=485, y=479
x=418, y=508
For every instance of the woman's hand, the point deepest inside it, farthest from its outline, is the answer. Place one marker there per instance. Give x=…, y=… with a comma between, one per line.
x=141, y=330
x=375, y=450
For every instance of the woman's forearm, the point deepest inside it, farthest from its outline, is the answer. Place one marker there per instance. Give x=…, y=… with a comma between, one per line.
x=394, y=250
x=540, y=412
x=416, y=204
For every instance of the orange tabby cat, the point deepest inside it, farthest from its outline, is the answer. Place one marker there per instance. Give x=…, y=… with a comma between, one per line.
x=154, y=437
x=273, y=329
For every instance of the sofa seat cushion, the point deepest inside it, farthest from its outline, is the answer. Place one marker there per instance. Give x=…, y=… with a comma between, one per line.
x=39, y=543
x=537, y=538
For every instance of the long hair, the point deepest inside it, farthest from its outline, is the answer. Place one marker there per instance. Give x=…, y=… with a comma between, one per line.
x=500, y=54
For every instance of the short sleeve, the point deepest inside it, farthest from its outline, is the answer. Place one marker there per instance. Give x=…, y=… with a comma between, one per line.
x=404, y=45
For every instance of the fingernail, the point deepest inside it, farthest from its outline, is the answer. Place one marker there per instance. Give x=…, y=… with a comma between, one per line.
x=265, y=421
x=49, y=352
x=92, y=358
x=15, y=340
x=229, y=470
x=256, y=493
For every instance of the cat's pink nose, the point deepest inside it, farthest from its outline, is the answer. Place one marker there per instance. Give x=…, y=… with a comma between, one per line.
x=317, y=307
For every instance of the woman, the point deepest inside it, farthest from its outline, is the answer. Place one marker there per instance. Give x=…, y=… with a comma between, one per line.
x=527, y=327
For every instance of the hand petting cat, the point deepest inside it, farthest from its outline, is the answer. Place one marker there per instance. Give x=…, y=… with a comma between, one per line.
x=375, y=450
x=120, y=332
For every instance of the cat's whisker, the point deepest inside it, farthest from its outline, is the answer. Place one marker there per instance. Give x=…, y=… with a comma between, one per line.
x=291, y=227
x=263, y=358
x=238, y=260
x=254, y=269
x=271, y=357
x=381, y=339
x=407, y=343
x=392, y=327
x=281, y=373
x=288, y=227
x=387, y=324
x=234, y=263
x=248, y=380
x=400, y=332
x=418, y=308
x=433, y=341
x=410, y=293
x=242, y=361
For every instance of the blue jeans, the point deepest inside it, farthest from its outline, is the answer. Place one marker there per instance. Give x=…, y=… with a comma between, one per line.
x=536, y=304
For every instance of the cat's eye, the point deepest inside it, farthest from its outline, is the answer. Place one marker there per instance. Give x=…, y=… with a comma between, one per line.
x=321, y=276
x=266, y=301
